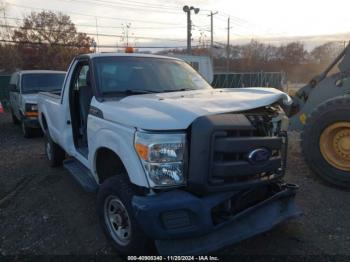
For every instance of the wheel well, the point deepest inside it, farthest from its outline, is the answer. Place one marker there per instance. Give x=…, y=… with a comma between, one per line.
x=43, y=120
x=108, y=164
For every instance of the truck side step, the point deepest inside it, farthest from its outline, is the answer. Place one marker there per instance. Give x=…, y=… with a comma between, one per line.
x=81, y=174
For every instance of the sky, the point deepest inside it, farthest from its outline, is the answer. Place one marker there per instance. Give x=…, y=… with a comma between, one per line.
x=163, y=23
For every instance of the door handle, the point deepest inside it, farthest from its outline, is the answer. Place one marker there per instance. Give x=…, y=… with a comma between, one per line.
x=68, y=122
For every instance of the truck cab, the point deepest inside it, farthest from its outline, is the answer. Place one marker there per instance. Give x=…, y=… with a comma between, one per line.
x=24, y=88
x=177, y=165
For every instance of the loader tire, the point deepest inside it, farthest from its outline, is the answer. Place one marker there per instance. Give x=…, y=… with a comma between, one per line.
x=325, y=141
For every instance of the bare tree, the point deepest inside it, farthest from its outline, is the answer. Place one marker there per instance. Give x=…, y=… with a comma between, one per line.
x=48, y=40
x=325, y=53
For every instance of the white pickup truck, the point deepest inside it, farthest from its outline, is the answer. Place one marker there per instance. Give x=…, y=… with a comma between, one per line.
x=177, y=165
x=24, y=88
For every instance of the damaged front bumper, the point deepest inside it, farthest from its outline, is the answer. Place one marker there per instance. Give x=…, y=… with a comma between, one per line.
x=184, y=224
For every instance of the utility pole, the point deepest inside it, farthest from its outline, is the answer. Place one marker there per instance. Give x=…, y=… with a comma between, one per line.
x=228, y=46
x=212, y=29
x=125, y=36
x=189, y=33
x=187, y=10
x=228, y=53
x=98, y=40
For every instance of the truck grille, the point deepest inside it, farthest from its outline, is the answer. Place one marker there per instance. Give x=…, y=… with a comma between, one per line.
x=220, y=148
x=230, y=157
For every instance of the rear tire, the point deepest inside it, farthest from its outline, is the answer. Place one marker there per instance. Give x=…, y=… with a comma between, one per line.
x=328, y=153
x=54, y=153
x=121, y=227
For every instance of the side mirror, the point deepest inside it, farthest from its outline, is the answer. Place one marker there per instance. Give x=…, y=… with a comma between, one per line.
x=13, y=88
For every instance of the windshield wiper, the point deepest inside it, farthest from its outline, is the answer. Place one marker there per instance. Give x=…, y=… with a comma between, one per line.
x=178, y=90
x=45, y=90
x=129, y=92
x=139, y=91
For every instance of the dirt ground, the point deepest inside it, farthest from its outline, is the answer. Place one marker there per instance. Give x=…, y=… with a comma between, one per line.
x=44, y=211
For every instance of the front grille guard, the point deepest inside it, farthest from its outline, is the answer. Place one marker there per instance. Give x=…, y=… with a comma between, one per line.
x=200, y=178
x=235, y=169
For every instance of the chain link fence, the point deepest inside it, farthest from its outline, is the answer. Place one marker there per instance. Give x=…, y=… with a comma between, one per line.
x=250, y=79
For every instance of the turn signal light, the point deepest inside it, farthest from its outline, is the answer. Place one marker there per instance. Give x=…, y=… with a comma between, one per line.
x=142, y=151
x=31, y=114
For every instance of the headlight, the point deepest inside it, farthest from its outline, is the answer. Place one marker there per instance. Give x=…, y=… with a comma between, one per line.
x=280, y=121
x=162, y=156
x=31, y=107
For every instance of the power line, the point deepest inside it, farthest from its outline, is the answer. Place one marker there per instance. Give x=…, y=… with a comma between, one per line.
x=136, y=4
x=112, y=27
x=98, y=34
x=129, y=6
x=74, y=45
x=91, y=15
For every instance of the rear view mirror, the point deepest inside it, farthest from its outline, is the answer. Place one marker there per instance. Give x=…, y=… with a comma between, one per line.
x=13, y=88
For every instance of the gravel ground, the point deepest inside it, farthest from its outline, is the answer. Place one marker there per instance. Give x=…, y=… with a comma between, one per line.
x=44, y=211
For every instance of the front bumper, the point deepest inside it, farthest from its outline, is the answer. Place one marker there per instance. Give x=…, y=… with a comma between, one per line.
x=31, y=122
x=182, y=223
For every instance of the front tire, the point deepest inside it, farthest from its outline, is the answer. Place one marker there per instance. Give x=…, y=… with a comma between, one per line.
x=326, y=141
x=14, y=118
x=54, y=153
x=117, y=217
x=27, y=131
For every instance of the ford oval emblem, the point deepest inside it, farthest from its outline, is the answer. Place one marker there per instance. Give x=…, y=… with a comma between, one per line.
x=259, y=156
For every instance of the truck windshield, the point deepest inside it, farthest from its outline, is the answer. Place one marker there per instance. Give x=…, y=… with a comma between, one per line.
x=34, y=83
x=145, y=75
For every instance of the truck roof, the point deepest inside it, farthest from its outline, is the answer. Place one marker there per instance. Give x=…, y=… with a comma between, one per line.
x=111, y=54
x=23, y=72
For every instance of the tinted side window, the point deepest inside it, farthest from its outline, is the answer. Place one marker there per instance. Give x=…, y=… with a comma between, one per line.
x=81, y=79
x=42, y=82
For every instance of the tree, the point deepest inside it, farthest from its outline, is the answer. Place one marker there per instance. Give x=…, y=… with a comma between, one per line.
x=293, y=53
x=9, y=57
x=325, y=53
x=49, y=41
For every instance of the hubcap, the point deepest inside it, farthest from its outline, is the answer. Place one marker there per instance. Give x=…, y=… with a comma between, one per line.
x=335, y=145
x=48, y=150
x=117, y=220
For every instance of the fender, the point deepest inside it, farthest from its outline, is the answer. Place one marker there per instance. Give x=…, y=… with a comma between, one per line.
x=43, y=112
x=118, y=139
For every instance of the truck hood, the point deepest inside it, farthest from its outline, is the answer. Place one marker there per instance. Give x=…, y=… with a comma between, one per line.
x=30, y=98
x=177, y=110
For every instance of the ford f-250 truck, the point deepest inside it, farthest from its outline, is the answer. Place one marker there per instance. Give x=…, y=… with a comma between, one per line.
x=177, y=165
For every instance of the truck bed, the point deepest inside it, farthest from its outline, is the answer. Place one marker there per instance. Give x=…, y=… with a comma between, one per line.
x=49, y=107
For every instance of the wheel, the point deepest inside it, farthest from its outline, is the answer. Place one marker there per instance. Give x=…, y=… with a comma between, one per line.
x=54, y=153
x=326, y=141
x=27, y=131
x=14, y=118
x=117, y=218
